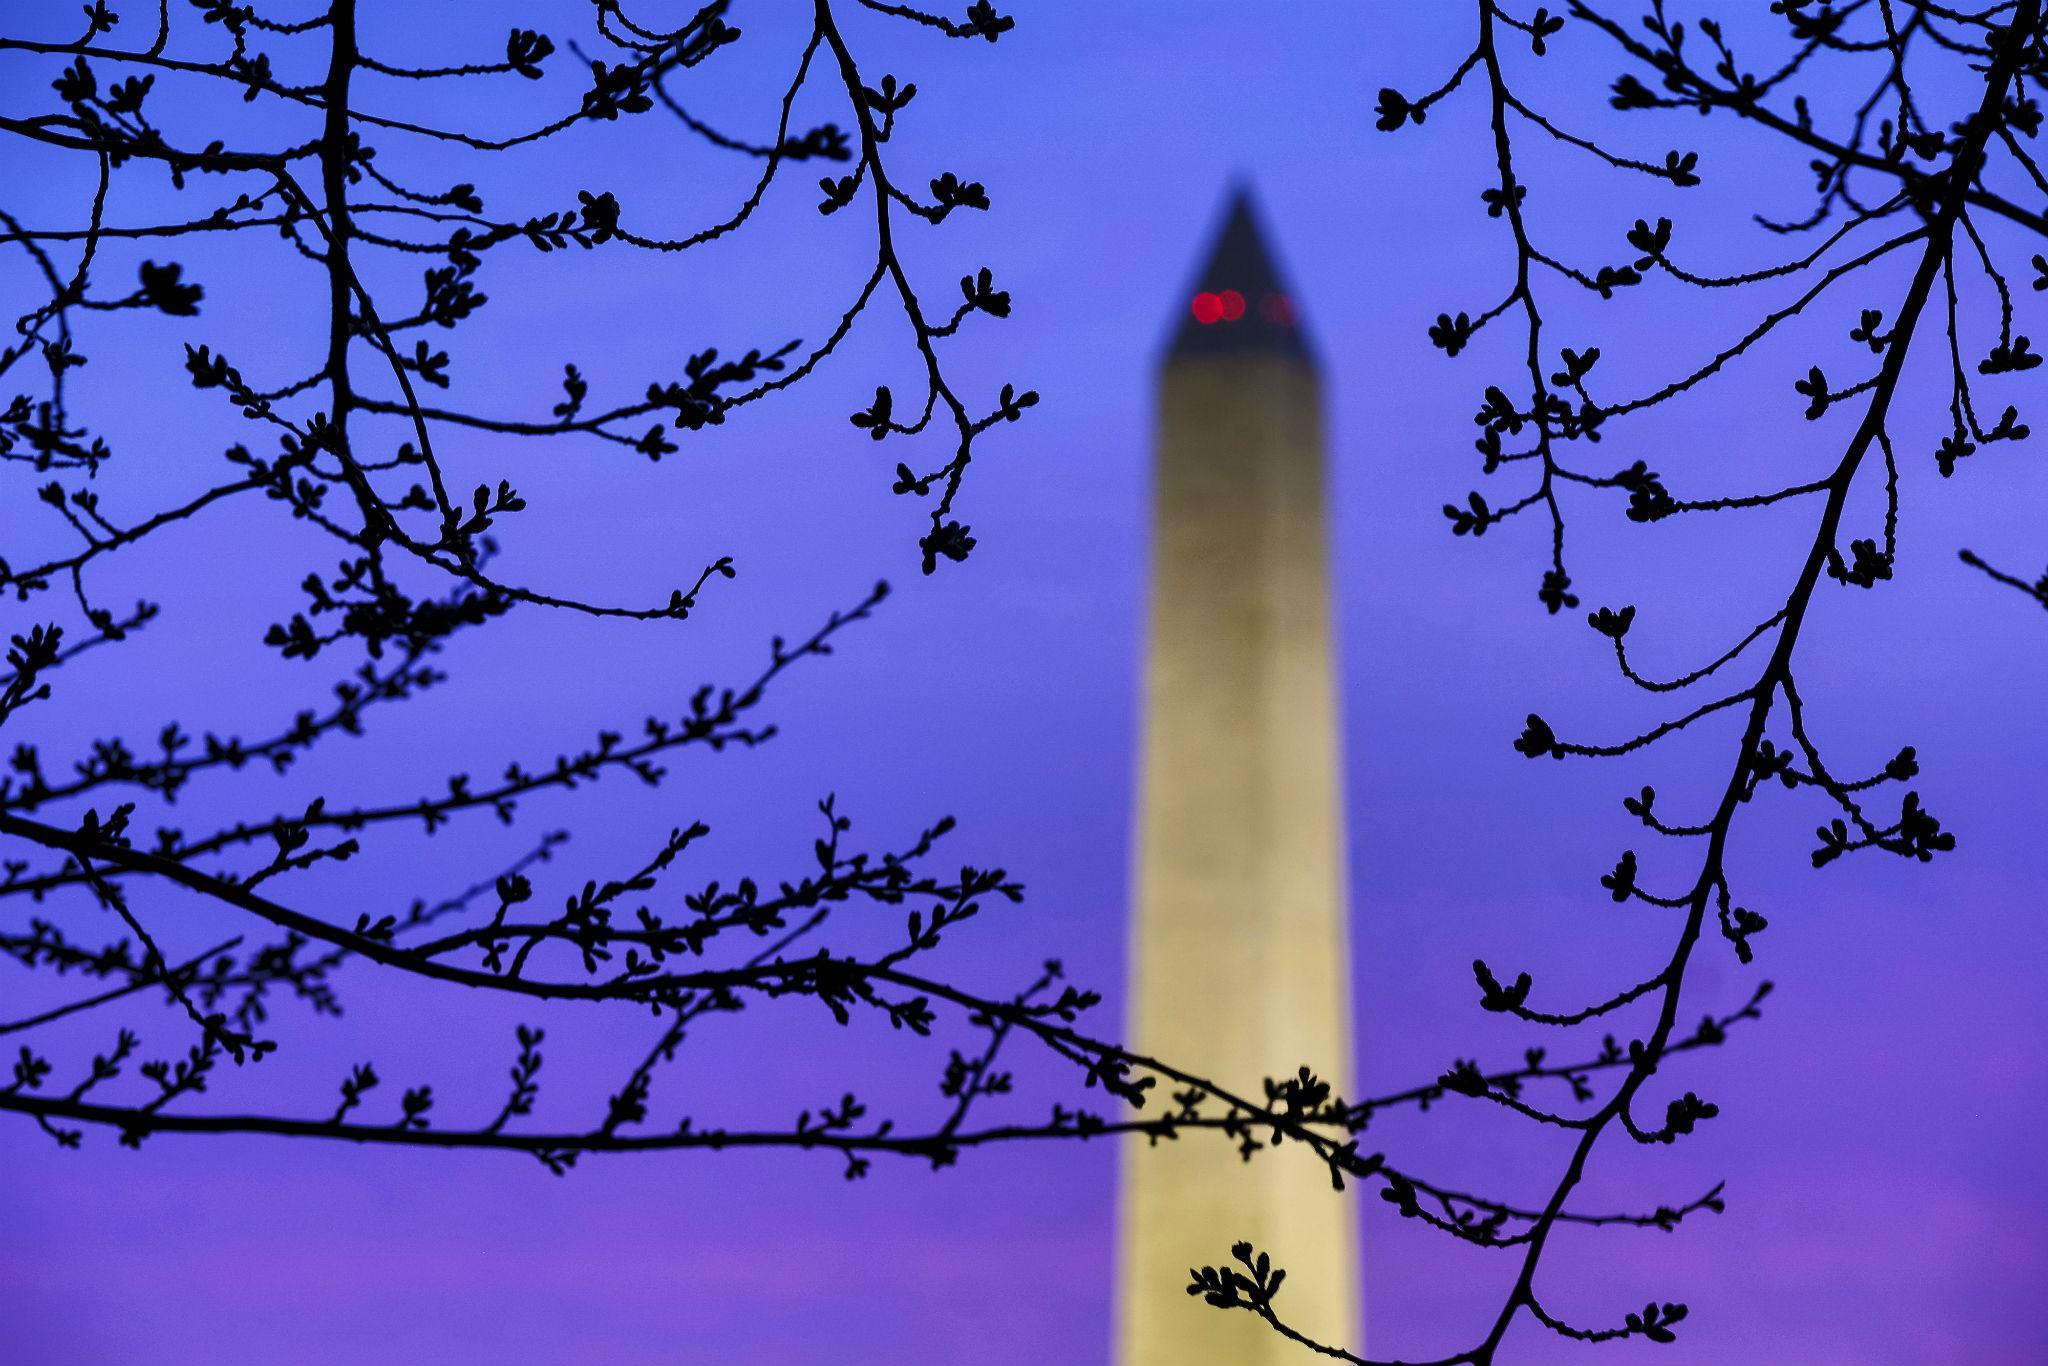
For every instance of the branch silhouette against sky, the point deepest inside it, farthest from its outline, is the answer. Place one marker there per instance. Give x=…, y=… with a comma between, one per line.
x=417, y=569
x=179, y=922
x=1925, y=174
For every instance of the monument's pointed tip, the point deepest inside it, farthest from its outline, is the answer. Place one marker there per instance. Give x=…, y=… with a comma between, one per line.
x=1239, y=304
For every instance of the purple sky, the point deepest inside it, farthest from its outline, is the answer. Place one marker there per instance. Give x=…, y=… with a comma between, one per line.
x=1878, y=1129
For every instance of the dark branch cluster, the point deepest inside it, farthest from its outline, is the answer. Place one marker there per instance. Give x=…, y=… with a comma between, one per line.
x=1930, y=169
x=332, y=167
x=348, y=452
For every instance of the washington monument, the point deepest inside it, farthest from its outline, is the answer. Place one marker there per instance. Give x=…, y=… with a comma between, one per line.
x=1240, y=959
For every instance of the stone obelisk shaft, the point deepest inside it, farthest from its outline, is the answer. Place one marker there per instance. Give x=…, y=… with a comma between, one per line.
x=1240, y=957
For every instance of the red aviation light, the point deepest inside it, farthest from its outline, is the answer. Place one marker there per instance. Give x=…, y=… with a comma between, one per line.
x=1225, y=306
x=1277, y=309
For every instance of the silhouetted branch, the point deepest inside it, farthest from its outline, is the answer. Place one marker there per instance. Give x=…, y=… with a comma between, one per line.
x=1935, y=168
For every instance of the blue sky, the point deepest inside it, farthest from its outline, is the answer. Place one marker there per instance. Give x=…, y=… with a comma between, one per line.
x=1877, y=1127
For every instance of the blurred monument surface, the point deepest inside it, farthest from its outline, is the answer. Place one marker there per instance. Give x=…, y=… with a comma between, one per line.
x=1240, y=963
